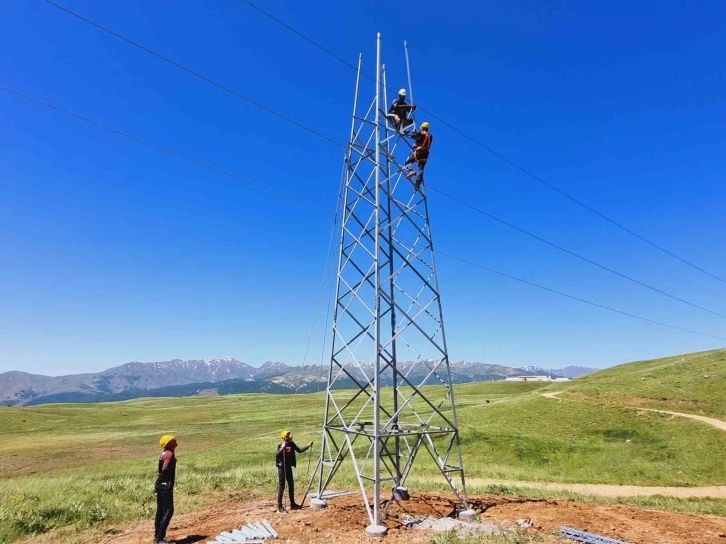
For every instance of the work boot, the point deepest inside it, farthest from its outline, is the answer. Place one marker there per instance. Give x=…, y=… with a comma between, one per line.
x=295, y=507
x=280, y=509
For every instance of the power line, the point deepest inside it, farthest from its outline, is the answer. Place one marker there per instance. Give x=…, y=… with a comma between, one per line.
x=492, y=151
x=196, y=74
x=323, y=136
x=164, y=149
x=304, y=37
x=572, y=297
x=569, y=252
x=319, y=208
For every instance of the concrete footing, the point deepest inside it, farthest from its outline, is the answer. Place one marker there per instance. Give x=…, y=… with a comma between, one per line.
x=376, y=531
x=467, y=515
x=400, y=493
x=318, y=504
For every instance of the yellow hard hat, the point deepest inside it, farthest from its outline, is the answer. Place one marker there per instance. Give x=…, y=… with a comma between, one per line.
x=425, y=124
x=283, y=434
x=166, y=439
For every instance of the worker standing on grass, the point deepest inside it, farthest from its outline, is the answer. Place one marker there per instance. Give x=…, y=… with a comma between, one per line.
x=421, y=147
x=165, y=488
x=285, y=460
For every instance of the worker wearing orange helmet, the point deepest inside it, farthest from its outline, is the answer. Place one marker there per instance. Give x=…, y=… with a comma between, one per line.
x=421, y=147
x=284, y=460
x=165, y=488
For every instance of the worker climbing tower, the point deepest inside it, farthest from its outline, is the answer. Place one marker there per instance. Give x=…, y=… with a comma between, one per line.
x=389, y=394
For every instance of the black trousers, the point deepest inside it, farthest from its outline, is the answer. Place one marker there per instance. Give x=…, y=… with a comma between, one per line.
x=285, y=473
x=164, y=511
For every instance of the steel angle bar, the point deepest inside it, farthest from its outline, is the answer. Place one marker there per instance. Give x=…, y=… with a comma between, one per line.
x=411, y=320
x=261, y=527
x=407, y=261
x=406, y=212
x=360, y=480
x=416, y=393
x=270, y=529
x=355, y=381
x=415, y=271
x=251, y=529
x=424, y=333
x=588, y=538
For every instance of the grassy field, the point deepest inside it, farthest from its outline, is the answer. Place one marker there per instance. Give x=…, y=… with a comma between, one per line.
x=686, y=383
x=84, y=465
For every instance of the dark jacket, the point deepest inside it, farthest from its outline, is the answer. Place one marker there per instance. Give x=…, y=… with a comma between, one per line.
x=400, y=106
x=167, y=475
x=285, y=456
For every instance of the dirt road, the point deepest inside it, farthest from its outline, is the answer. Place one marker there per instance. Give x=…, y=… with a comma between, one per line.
x=605, y=490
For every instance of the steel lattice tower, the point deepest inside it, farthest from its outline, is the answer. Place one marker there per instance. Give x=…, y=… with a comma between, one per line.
x=389, y=392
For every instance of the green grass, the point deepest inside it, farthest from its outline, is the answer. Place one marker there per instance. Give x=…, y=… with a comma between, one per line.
x=692, y=383
x=513, y=537
x=66, y=467
x=531, y=438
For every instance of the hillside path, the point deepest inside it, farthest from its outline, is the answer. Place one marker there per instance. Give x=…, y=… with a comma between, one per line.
x=719, y=424
x=608, y=490
x=709, y=420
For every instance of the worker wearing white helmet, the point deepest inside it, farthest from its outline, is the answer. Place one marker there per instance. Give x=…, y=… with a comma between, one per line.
x=420, y=156
x=399, y=110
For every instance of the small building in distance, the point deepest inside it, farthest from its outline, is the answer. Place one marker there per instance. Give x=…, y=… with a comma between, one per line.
x=539, y=378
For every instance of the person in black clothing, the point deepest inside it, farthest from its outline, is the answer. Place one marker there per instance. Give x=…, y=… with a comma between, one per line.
x=165, y=488
x=285, y=460
x=420, y=155
x=398, y=112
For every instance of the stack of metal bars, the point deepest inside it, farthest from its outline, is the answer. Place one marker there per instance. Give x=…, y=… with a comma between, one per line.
x=252, y=533
x=588, y=538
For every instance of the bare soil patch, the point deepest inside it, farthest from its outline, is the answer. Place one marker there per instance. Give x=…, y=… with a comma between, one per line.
x=345, y=520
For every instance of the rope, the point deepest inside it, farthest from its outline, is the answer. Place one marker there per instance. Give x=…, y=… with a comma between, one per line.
x=320, y=297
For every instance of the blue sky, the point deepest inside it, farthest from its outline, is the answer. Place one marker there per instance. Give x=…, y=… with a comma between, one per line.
x=112, y=251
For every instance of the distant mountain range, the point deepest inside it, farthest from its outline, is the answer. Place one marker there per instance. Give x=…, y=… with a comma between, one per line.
x=180, y=377
x=571, y=372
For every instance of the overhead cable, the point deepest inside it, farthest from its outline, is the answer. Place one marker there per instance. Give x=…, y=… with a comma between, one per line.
x=319, y=208
x=495, y=153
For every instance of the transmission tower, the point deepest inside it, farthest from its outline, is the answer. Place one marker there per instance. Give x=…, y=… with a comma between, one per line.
x=389, y=392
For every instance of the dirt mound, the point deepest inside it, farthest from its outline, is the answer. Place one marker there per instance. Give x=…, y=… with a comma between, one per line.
x=343, y=522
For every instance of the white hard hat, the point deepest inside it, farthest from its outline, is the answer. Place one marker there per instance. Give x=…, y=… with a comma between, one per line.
x=402, y=92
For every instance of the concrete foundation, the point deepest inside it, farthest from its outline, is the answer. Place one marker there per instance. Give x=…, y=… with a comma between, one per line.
x=400, y=493
x=376, y=531
x=464, y=529
x=318, y=504
x=467, y=515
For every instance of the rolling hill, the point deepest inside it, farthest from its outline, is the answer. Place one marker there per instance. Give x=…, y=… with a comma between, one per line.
x=56, y=458
x=693, y=383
